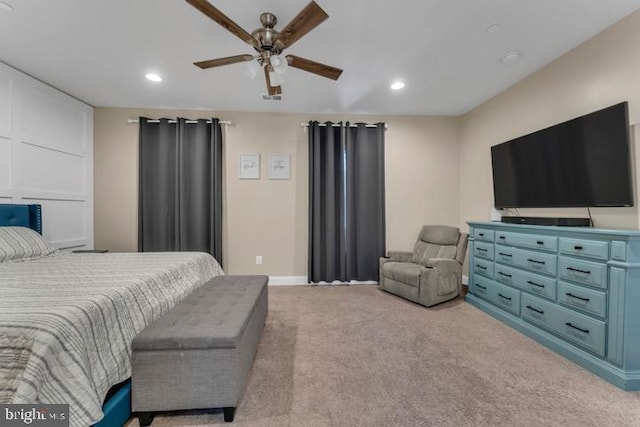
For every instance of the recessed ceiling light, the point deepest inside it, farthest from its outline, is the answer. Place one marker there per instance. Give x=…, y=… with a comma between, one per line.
x=511, y=57
x=493, y=28
x=397, y=85
x=6, y=7
x=153, y=77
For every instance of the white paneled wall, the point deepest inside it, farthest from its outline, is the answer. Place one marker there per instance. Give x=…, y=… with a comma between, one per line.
x=46, y=156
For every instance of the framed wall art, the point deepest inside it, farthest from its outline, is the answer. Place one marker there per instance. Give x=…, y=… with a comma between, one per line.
x=278, y=166
x=249, y=166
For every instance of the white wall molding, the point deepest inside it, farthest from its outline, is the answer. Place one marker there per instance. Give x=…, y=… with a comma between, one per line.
x=46, y=156
x=53, y=195
x=287, y=280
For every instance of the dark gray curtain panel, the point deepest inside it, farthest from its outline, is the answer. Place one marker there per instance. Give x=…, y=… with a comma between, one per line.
x=326, y=203
x=346, y=201
x=157, y=186
x=365, y=237
x=180, y=186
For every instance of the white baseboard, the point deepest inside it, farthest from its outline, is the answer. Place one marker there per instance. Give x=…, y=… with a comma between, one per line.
x=287, y=280
x=465, y=280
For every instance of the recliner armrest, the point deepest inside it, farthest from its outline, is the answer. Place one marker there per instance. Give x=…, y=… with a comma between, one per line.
x=432, y=262
x=443, y=263
x=400, y=256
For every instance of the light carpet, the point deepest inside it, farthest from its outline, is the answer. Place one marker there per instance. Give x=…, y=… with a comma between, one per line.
x=357, y=356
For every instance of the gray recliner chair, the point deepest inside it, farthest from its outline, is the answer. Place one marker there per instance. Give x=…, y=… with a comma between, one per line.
x=432, y=273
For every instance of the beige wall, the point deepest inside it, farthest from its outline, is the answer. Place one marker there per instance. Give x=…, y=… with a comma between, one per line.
x=438, y=170
x=269, y=217
x=603, y=71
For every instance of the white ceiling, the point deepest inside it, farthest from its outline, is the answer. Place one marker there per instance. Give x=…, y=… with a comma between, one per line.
x=99, y=51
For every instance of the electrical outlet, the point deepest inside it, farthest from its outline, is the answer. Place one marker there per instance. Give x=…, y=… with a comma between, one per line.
x=259, y=259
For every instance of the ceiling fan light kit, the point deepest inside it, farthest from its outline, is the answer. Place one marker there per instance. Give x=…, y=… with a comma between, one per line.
x=252, y=68
x=269, y=44
x=279, y=64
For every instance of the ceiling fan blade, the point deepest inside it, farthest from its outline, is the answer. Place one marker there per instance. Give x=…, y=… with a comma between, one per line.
x=222, y=61
x=314, y=67
x=208, y=9
x=309, y=18
x=271, y=90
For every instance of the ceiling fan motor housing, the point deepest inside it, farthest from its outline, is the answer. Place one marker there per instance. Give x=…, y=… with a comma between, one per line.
x=266, y=36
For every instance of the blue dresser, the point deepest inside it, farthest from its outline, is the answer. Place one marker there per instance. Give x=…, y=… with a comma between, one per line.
x=574, y=290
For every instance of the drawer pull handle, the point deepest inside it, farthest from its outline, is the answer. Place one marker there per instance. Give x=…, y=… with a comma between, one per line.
x=586, y=331
x=577, y=248
x=503, y=254
x=484, y=288
x=504, y=274
x=535, y=261
x=481, y=266
x=501, y=237
x=481, y=249
x=569, y=294
x=578, y=270
x=535, y=309
x=535, y=284
x=540, y=242
x=481, y=234
x=502, y=296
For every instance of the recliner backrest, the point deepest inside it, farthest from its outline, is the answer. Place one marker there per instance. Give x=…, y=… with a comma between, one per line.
x=436, y=241
x=462, y=247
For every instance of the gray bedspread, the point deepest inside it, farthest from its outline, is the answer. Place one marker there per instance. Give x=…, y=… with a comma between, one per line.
x=67, y=321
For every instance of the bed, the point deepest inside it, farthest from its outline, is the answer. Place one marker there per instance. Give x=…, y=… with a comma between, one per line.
x=67, y=319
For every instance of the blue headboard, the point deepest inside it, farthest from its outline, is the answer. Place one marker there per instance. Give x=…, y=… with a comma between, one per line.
x=21, y=215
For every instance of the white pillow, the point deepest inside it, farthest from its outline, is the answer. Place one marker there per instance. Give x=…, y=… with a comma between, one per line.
x=21, y=244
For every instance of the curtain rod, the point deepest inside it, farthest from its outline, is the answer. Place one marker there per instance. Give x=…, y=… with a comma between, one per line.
x=306, y=125
x=222, y=122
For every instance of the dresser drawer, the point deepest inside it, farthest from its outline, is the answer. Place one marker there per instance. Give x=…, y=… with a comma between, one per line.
x=546, y=243
x=585, y=248
x=483, y=234
x=531, y=282
x=536, y=261
x=502, y=296
x=588, y=300
x=581, y=329
x=480, y=286
x=571, y=326
x=538, y=311
x=587, y=272
x=505, y=297
x=504, y=254
x=483, y=250
x=483, y=267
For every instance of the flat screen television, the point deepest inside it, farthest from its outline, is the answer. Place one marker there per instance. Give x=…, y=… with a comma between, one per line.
x=584, y=162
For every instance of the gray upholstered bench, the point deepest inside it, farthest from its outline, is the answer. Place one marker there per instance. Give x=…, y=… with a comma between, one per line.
x=198, y=355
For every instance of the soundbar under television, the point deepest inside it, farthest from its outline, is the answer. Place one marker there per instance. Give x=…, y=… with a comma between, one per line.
x=543, y=220
x=584, y=162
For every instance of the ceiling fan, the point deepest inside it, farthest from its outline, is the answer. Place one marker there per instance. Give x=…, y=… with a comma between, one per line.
x=269, y=43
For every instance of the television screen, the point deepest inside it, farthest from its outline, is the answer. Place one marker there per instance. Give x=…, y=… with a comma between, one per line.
x=579, y=163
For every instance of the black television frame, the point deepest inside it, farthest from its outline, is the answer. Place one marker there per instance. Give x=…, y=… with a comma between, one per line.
x=530, y=138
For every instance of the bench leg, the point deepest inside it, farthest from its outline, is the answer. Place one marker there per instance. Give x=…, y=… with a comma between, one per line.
x=229, y=413
x=145, y=418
